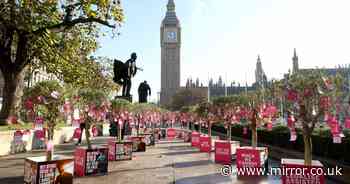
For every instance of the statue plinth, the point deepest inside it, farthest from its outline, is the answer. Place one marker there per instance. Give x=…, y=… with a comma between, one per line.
x=128, y=98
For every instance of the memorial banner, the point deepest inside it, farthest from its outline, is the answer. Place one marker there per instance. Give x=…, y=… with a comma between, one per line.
x=37, y=170
x=170, y=133
x=77, y=133
x=138, y=143
x=91, y=161
x=205, y=143
x=119, y=150
x=248, y=157
x=347, y=123
x=96, y=162
x=18, y=137
x=301, y=173
x=223, y=152
x=123, y=151
x=195, y=142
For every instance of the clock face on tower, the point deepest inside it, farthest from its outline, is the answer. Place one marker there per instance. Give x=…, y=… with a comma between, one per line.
x=171, y=36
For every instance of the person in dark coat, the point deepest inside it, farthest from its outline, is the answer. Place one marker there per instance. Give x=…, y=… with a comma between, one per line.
x=144, y=90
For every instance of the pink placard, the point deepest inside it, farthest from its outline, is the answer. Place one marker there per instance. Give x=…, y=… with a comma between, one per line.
x=18, y=137
x=49, y=145
x=79, y=162
x=223, y=152
x=171, y=133
x=94, y=131
x=77, y=133
x=294, y=178
x=248, y=158
x=195, y=139
x=335, y=129
x=39, y=134
x=269, y=126
x=205, y=143
x=293, y=135
x=111, y=149
x=347, y=123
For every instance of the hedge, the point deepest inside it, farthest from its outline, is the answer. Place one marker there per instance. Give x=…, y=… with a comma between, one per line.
x=322, y=140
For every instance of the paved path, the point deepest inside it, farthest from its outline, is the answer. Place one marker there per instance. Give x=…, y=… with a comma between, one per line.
x=165, y=163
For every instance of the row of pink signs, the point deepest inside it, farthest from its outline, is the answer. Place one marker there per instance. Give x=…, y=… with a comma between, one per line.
x=249, y=157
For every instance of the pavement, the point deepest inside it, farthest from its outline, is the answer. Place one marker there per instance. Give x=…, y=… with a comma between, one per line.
x=167, y=162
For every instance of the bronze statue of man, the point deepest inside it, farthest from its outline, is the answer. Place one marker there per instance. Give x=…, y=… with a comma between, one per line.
x=131, y=72
x=123, y=72
x=144, y=90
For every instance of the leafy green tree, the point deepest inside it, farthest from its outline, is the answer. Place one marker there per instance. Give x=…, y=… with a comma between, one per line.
x=48, y=33
x=93, y=104
x=186, y=97
x=45, y=100
x=310, y=97
x=118, y=106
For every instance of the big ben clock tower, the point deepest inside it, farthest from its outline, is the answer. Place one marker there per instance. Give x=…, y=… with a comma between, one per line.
x=170, y=38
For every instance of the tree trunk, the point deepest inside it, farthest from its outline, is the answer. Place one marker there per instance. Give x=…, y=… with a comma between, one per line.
x=19, y=93
x=10, y=94
x=209, y=129
x=307, y=149
x=138, y=127
x=229, y=132
x=87, y=134
x=119, y=133
x=200, y=128
x=254, y=137
x=254, y=132
x=50, y=132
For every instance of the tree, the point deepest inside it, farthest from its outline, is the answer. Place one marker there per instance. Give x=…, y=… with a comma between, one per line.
x=311, y=97
x=186, y=97
x=48, y=32
x=118, y=107
x=94, y=106
x=45, y=100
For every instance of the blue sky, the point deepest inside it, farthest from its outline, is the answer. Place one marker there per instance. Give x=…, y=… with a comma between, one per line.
x=224, y=37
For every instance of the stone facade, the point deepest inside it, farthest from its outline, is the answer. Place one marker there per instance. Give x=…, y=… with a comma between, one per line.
x=170, y=36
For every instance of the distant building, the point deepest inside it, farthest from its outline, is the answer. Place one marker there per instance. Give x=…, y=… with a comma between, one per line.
x=34, y=76
x=31, y=77
x=216, y=89
x=344, y=71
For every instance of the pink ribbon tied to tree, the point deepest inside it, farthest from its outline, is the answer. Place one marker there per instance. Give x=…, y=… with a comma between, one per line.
x=334, y=125
x=292, y=95
x=77, y=133
x=29, y=104
x=94, y=131
x=347, y=123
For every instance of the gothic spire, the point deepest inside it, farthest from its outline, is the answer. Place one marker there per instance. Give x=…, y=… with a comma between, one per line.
x=170, y=17
x=171, y=5
x=295, y=62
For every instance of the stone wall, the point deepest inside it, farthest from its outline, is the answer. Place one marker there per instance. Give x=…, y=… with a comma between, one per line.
x=61, y=135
